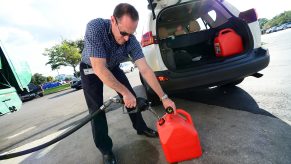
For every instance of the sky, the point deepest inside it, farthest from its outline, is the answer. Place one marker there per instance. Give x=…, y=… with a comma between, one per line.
x=27, y=27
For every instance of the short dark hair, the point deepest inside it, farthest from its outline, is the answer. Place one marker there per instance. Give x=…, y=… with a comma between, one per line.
x=125, y=9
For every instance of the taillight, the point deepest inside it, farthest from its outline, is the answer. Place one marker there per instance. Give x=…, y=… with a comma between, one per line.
x=249, y=16
x=148, y=39
x=162, y=78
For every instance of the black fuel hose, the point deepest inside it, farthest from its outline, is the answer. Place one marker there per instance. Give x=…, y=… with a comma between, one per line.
x=142, y=105
x=62, y=136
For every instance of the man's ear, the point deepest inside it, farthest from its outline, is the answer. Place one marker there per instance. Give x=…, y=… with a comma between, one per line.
x=112, y=19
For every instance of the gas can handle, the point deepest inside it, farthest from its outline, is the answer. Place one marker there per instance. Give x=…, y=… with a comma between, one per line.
x=187, y=115
x=226, y=31
x=169, y=110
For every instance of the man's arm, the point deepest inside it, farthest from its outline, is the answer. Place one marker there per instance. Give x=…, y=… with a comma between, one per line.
x=100, y=69
x=151, y=79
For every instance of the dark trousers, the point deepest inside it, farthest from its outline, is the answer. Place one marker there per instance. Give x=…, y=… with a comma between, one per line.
x=93, y=92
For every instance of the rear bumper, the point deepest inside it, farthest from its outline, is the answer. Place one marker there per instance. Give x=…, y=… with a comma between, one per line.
x=28, y=96
x=228, y=70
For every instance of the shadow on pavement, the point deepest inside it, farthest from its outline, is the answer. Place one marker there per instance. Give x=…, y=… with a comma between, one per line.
x=232, y=97
x=139, y=151
x=63, y=94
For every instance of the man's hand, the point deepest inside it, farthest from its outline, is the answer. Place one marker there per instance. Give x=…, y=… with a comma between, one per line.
x=100, y=69
x=151, y=79
x=129, y=100
x=169, y=103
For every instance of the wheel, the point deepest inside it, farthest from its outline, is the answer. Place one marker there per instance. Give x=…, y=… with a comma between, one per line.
x=40, y=95
x=233, y=83
x=151, y=95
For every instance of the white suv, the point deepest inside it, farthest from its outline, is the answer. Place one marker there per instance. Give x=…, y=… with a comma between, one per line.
x=126, y=66
x=178, y=44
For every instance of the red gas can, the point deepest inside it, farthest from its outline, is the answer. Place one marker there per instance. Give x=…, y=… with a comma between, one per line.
x=228, y=43
x=178, y=137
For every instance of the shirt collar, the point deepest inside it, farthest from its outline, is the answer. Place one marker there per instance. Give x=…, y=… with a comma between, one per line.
x=110, y=34
x=109, y=31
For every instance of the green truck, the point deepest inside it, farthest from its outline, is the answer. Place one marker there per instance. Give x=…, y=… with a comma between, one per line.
x=15, y=76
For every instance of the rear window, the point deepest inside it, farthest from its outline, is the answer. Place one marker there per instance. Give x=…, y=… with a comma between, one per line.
x=32, y=86
x=190, y=17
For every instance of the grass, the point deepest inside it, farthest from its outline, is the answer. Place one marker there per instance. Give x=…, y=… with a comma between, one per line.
x=57, y=89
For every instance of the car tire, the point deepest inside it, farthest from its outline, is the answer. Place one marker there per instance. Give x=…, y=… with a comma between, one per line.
x=40, y=95
x=151, y=95
x=233, y=83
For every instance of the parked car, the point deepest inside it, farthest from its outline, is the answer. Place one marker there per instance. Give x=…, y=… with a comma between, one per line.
x=286, y=25
x=272, y=29
x=76, y=83
x=49, y=85
x=127, y=66
x=34, y=91
x=178, y=44
x=280, y=27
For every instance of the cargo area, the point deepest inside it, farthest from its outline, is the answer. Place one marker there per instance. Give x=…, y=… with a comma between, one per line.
x=186, y=34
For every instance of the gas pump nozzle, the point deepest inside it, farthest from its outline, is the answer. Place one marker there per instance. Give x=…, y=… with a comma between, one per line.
x=142, y=104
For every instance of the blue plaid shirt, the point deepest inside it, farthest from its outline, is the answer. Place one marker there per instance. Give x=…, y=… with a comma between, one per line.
x=99, y=42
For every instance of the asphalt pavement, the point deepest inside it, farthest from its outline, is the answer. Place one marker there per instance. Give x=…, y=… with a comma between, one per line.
x=249, y=123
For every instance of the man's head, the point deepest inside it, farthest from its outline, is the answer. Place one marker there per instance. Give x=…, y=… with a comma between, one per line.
x=124, y=22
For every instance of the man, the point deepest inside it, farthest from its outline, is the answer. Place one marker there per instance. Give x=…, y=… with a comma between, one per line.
x=107, y=43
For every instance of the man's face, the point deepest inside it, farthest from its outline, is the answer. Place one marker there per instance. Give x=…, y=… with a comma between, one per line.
x=122, y=28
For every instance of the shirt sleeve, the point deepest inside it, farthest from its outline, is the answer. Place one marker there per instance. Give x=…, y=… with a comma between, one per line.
x=134, y=49
x=93, y=39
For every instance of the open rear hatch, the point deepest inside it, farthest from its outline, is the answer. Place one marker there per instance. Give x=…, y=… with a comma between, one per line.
x=13, y=73
x=186, y=34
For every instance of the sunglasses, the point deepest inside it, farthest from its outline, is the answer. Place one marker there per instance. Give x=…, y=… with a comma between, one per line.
x=122, y=32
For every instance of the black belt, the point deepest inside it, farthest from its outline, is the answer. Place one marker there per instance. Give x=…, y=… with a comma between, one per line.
x=86, y=65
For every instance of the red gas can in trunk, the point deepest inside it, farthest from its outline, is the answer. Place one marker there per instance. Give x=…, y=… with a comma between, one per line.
x=228, y=43
x=179, y=137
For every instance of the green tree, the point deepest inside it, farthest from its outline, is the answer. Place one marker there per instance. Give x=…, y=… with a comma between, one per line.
x=78, y=43
x=65, y=54
x=38, y=79
x=71, y=55
x=278, y=20
x=68, y=79
x=262, y=22
x=49, y=79
x=55, y=57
